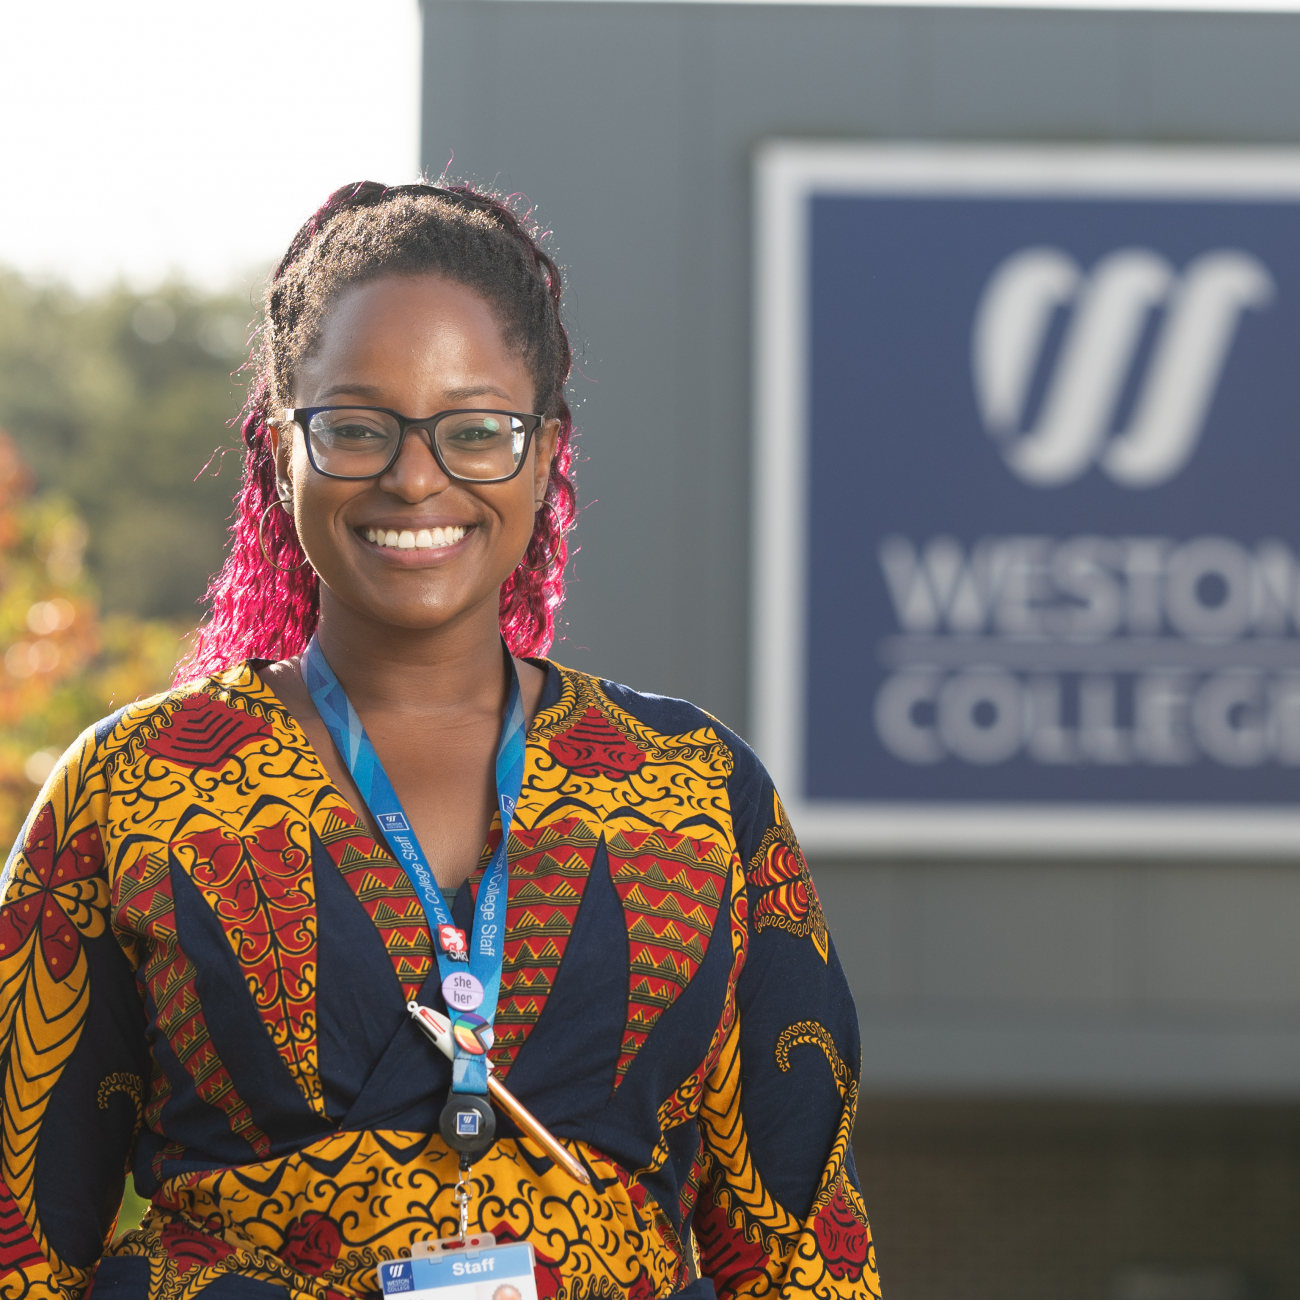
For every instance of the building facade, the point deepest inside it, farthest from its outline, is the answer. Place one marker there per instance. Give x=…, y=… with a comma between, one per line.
x=1081, y=1064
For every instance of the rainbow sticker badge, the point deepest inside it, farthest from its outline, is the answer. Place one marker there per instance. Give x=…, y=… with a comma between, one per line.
x=472, y=1033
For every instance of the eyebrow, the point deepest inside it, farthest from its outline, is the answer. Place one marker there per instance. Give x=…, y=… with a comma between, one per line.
x=454, y=395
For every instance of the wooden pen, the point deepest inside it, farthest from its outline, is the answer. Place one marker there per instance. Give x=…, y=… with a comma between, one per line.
x=438, y=1029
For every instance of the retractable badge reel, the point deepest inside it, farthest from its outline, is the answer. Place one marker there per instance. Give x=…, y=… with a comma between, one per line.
x=468, y=1126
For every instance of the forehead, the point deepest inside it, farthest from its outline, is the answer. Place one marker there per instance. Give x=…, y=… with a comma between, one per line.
x=412, y=334
x=418, y=309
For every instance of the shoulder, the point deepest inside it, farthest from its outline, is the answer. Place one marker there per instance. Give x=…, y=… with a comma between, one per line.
x=579, y=702
x=188, y=723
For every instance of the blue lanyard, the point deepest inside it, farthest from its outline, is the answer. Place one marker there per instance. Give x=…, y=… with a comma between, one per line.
x=471, y=1031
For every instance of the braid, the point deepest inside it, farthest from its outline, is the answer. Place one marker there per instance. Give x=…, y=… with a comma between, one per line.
x=362, y=232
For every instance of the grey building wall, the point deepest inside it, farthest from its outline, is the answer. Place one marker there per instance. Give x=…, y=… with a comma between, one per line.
x=632, y=127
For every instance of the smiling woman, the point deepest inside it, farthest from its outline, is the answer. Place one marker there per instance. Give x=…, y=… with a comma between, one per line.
x=380, y=927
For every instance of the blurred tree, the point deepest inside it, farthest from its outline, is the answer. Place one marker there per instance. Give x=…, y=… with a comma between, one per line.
x=62, y=666
x=118, y=401
x=119, y=408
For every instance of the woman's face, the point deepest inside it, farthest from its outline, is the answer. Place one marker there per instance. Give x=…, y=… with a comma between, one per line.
x=417, y=345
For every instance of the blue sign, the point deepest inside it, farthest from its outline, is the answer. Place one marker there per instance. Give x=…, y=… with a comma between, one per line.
x=1033, y=420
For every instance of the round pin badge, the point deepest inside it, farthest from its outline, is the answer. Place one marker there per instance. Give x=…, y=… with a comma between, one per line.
x=462, y=991
x=472, y=1033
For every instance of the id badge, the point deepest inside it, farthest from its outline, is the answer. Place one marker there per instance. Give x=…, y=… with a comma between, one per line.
x=478, y=1270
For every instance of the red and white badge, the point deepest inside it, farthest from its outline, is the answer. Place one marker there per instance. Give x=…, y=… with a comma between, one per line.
x=452, y=942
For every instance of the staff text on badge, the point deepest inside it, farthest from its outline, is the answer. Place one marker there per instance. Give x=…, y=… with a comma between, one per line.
x=501, y=1273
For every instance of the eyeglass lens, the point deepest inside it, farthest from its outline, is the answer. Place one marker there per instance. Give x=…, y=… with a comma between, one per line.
x=360, y=444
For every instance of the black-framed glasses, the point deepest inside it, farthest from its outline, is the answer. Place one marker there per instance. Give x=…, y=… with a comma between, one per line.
x=472, y=445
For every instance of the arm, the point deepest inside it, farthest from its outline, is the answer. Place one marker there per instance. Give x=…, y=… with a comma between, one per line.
x=73, y=1057
x=780, y=1211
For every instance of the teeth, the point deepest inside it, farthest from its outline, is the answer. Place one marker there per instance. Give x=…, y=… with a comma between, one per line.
x=407, y=540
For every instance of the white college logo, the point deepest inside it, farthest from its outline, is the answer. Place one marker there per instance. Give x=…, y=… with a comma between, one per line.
x=1110, y=305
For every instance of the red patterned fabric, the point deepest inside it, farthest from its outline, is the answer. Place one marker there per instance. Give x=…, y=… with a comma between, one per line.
x=735, y=1261
x=18, y=1248
x=312, y=1243
x=671, y=887
x=41, y=894
x=842, y=1237
x=781, y=876
x=385, y=891
x=549, y=869
x=201, y=736
x=146, y=913
x=192, y=1248
x=593, y=746
x=259, y=886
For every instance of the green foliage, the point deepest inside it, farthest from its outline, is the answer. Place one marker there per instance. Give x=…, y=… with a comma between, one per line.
x=117, y=402
x=132, y=1211
x=62, y=665
x=110, y=407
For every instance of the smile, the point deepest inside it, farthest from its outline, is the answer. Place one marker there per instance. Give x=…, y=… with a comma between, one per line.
x=427, y=539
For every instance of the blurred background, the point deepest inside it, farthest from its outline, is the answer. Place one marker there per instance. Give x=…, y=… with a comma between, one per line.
x=156, y=161
x=938, y=408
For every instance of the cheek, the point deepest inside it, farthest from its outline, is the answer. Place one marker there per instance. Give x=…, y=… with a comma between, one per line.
x=510, y=505
x=300, y=469
x=316, y=503
x=518, y=513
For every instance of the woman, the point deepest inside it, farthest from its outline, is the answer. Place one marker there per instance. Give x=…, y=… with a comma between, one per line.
x=208, y=945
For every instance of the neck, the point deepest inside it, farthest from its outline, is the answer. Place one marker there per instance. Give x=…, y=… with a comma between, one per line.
x=456, y=667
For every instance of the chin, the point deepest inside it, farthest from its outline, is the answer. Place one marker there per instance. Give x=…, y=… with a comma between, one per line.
x=416, y=614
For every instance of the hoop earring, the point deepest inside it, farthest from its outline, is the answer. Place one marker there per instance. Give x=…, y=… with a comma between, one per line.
x=261, y=541
x=555, y=550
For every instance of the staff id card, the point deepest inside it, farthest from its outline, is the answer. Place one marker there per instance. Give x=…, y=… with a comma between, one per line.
x=497, y=1273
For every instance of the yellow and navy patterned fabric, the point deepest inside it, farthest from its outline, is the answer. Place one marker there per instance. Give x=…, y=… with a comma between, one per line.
x=205, y=961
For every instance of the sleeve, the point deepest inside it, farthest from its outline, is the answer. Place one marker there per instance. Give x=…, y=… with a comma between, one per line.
x=73, y=1054
x=780, y=1211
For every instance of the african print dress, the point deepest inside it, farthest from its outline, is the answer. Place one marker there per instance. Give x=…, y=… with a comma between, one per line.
x=205, y=961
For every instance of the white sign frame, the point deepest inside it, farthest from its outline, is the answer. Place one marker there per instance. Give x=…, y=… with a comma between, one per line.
x=786, y=174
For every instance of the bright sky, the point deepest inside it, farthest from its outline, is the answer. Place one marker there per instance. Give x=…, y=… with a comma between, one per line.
x=146, y=137
x=142, y=137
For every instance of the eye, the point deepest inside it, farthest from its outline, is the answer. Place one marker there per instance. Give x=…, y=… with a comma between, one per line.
x=346, y=430
x=353, y=432
x=483, y=428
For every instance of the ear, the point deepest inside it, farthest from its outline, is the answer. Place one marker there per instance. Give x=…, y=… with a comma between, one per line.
x=545, y=443
x=281, y=436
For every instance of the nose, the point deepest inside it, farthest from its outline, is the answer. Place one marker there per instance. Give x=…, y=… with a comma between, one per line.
x=415, y=475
